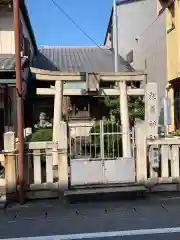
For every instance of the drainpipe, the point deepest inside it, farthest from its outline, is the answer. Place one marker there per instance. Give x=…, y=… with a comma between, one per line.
x=115, y=37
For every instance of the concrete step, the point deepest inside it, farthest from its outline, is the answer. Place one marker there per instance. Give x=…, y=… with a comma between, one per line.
x=104, y=190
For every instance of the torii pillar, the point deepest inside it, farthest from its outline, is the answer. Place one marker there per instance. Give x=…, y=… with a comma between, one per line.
x=58, y=110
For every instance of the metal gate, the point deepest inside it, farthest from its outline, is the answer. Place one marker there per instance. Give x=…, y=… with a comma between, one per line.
x=95, y=151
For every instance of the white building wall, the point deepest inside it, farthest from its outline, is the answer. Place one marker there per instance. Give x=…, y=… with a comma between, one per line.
x=141, y=30
x=133, y=20
x=150, y=53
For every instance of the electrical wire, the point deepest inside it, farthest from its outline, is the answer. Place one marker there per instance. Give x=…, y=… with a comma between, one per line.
x=146, y=29
x=75, y=23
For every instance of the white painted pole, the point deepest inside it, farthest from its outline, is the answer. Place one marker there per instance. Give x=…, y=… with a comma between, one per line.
x=115, y=38
x=126, y=141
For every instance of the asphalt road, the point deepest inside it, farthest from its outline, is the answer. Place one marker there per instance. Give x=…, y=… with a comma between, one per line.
x=47, y=218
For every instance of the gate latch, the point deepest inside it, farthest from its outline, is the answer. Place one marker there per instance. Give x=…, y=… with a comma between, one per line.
x=154, y=156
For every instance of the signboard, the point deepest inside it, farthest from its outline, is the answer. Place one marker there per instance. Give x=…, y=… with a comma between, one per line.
x=152, y=113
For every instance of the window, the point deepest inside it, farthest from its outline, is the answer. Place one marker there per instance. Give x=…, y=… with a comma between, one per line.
x=27, y=50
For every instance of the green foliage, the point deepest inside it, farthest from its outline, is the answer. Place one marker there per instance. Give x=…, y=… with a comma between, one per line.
x=42, y=135
x=136, y=109
x=112, y=141
x=135, y=105
x=176, y=133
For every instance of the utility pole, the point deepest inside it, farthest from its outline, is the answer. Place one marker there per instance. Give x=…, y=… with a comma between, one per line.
x=123, y=101
x=115, y=37
x=20, y=120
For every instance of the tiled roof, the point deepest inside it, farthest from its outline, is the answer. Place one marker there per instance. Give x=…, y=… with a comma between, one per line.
x=7, y=62
x=78, y=59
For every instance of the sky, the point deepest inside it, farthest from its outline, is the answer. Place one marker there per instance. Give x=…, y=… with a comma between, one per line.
x=52, y=27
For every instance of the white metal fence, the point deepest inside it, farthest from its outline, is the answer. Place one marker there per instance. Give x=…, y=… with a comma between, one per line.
x=96, y=155
x=103, y=140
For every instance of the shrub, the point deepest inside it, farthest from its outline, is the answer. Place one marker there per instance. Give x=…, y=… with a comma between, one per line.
x=136, y=107
x=112, y=139
x=42, y=135
x=176, y=133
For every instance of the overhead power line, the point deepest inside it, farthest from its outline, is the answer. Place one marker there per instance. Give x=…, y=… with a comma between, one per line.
x=75, y=23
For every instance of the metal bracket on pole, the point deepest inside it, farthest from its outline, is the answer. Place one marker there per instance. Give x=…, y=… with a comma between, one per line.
x=20, y=93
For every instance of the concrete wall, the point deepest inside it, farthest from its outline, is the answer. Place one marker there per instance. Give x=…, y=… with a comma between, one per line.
x=141, y=29
x=133, y=19
x=150, y=52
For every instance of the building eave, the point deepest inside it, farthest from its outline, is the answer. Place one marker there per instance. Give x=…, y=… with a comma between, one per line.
x=109, y=25
x=29, y=26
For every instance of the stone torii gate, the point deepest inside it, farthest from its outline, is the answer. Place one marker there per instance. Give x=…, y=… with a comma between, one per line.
x=58, y=91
